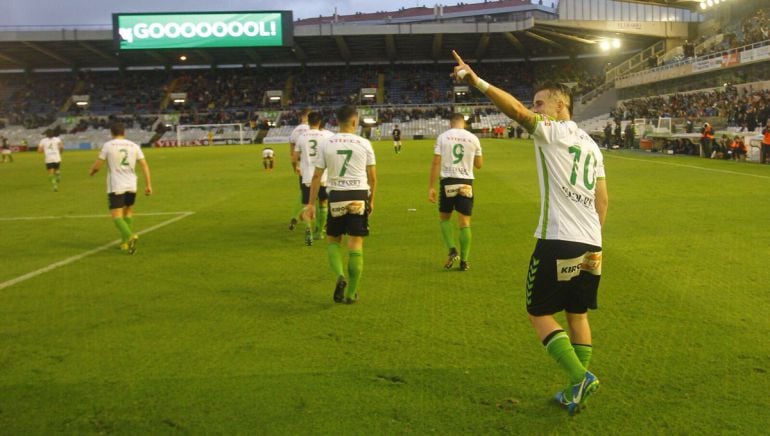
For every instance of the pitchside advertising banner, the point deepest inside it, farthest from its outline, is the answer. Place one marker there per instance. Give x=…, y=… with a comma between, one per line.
x=202, y=30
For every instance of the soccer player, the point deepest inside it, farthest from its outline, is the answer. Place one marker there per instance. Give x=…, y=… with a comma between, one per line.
x=121, y=156
x=456, y=153
x=300, y=129
x=352, y=183
x=565, y=268
x=268, y=158
x=306, y=152
x=397, y=139
x=7, y=153
x=52, y=147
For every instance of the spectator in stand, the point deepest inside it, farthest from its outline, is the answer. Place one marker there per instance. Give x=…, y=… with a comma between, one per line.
x=689, y=126
x=618, y=134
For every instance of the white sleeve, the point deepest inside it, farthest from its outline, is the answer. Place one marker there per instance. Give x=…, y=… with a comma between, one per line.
x=370, y=160
x=599, y=171
x=478, y=147
x=139, y=153
x=320, y=158
x=437, y=147
x=545, y=129
x=103, y=152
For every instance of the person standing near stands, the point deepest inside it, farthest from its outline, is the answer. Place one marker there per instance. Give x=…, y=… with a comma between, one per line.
x=608, y=135
x=706, y=140
x=397, y=139
x=765, y=143
x=618, y=133
x=7, y=155
x=630, y=134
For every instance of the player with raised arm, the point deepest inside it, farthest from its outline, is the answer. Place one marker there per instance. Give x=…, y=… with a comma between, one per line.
x=306, y=152
x=51, y=146
x=456, y=153
x=121, y=156
x=397, y=139
x=268, y=158
x=300, y=129
x=352, y=183
x=565, y=268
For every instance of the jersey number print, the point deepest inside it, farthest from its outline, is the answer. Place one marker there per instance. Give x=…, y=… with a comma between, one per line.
x=348, y=154
x=124, y=162
x=589, y=184
x=313, y=148
x=458, y=152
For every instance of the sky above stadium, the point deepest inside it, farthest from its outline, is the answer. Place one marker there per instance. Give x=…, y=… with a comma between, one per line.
x=98, y=12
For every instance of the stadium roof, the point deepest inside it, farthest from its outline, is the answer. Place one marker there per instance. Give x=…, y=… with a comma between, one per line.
x=500, y=30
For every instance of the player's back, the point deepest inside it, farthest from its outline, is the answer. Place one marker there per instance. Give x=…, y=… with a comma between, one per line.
x=458, y=149
x=307, y=145
x=121, y=156
x=345, y=157
x=51, y=150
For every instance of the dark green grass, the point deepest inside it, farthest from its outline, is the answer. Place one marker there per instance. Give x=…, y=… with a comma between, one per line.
x=224, y=322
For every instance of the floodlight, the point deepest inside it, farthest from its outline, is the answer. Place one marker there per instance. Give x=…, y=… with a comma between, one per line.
x=604, y=45
x=615, y=43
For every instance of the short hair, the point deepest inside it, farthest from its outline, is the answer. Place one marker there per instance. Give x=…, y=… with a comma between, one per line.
x=456, y=117
x=557, y=88
x=118, y=129
x=49, y=133
x=314, y=118
x=305, y=112
x=346, y=113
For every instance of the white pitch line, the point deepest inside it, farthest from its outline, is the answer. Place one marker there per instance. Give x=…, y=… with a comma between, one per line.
x=34, y=218
x=690, y=166
x=76, y=258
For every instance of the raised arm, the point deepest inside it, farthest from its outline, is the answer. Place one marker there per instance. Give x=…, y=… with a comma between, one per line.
x=504, y=101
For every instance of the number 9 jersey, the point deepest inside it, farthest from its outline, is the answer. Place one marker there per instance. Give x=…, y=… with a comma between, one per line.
x=345, y=157
x=121, y=156
x=568, y=165
x=458, y=149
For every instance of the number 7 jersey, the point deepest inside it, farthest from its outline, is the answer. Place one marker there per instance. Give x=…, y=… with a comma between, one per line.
x=345, y=157
x=121, y=156
x=568, y=165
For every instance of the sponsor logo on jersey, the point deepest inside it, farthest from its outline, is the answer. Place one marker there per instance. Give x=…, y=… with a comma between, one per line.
x=590, y=262
x=578, y=197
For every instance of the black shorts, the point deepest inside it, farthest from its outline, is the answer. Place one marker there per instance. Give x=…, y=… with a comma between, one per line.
x=353, y=225
x=53, y=165
x=119, y=201
x=322, y=196
x=464, y=205
x=563, y=275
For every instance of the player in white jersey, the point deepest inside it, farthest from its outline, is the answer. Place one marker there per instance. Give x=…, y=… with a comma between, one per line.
x=268, y=158
x=305, y=152
x=456, y=153
x=352, y=183
x=565, y=268
x=121, y=156
x=51, y=146
x=300, y=129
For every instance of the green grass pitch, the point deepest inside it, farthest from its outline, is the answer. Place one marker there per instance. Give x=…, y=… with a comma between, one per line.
x=224, y=323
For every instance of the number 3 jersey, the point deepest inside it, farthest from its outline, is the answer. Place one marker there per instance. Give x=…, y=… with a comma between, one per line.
x=568, y=165
x=121, y=156
x=307, y=146
x=458, y=148
x=345, y=157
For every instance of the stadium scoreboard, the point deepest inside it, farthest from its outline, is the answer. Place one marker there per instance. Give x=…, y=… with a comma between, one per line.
x=192, y=30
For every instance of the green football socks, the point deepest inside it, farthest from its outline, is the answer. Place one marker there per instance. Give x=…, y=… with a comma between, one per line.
x=130, y=221
x=320, y=219
x=355, y=268
x=335, y=258
x=559, y=347
x=583, y=353
x=447, y=234
x=123, y=228
x=465, y=243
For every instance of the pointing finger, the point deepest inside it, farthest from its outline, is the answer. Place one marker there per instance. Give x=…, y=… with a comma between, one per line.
x=458, y=58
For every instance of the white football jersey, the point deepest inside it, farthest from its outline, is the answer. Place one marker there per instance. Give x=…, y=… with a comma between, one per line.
x=51, y=149
x=302, y=128
x=458, y=148
x=121, y=156
x=345, y=157
x=568, y=165
x=307, y=147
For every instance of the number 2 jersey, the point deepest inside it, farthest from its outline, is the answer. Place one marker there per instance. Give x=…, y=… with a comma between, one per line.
x=345, y=157
x=307, y=146
x=121, y=156
x=568, y=165
x=458, y=149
